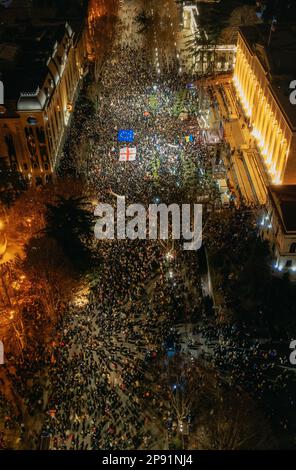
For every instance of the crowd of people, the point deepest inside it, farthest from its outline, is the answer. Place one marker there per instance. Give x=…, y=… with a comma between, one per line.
x=102, y=396
x=254, y=362
x=101, y=388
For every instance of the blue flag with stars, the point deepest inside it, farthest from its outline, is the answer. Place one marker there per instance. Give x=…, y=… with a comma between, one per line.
x=125, y=135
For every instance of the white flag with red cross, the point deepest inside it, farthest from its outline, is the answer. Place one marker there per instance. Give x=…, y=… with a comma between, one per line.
x=128, y=154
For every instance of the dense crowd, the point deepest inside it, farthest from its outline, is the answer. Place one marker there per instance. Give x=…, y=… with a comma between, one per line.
x=101, y=391
x=251, y=360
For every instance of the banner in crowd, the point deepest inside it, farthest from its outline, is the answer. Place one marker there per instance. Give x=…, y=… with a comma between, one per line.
x=126, y=135
x=128, y=154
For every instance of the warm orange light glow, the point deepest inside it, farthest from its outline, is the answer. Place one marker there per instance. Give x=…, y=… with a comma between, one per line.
x=256, y=108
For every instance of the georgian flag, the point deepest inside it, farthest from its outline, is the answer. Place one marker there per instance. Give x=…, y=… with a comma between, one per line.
x=128, y=154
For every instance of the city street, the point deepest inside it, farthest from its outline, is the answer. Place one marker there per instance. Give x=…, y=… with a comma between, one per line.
x=133, y=342
x=112, y=338
x=101, y=371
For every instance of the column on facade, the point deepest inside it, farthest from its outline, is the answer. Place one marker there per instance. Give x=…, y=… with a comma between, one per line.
x=269, y=132
x=265, y=128
x=250, y=90
x=245, y=76
x=277, y=147
x=272, y=143
x=261, y=117
x=253, y=92
x=258, y=109
x=278, y=152
x=48, y=138
x=249, y=87
x=283, y=159
x=242, y=69
x=63, y=99
x=239, y=66
x=243, y=72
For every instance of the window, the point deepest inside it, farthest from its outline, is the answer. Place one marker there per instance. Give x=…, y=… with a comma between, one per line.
x=32, y=121
x=40, y=134
x=293, y=248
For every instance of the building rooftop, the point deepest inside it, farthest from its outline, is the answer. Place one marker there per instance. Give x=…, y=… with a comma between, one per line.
x=24, y=52
x=278, y=60
x=284, y=199
x=43, y=10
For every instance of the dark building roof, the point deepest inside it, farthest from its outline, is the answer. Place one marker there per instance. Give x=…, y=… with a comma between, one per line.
x=24, y=52
x=43, y=10
x=278, y=60
x=25, y=49
x=284, y=199
x=28, y=32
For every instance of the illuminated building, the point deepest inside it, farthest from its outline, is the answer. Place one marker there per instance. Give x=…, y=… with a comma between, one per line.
x=278, y=227
x=42, y=67
x=208, y=57
x=262, y=78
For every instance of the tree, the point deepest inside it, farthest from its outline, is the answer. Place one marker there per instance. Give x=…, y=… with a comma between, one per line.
x=12, y=183
x=218, y=24
x=241, y=16
x=231, y=422
x=46, y=265
x=201, y=45
x=214, y=17
x=102, y=18
x=70, y=223
x=144, y=21
x=213, y=416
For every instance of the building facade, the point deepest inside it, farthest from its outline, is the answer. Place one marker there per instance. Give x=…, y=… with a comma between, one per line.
x=207, y=58
x=42, y=68
x=278, y=227
x=262, y=76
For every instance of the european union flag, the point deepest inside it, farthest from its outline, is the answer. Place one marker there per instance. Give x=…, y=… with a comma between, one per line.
x=125, y=135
